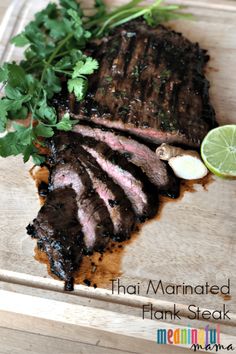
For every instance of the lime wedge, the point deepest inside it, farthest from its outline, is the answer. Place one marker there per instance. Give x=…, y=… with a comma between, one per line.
x=218, y=151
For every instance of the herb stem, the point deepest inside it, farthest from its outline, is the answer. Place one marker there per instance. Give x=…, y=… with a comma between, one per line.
x=62, y=71
x=33, y=66
x=62, y=54
x=118, y=10
x=117, y=15
x=48, y=63
x=131, y=17
x=53, y=55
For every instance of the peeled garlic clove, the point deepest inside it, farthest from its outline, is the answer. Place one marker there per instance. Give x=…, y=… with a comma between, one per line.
x=188, y=167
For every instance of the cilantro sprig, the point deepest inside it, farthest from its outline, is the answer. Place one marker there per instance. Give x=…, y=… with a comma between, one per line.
x=153, y=13
x=54, y=50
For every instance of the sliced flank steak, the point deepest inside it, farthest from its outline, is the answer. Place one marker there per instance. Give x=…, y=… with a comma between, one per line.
x=142, y=194
x=139, y=154
x=93, y=215
x=140, y=191
x=119, y=207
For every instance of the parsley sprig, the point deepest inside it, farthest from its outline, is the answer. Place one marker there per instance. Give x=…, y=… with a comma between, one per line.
x=54, y=44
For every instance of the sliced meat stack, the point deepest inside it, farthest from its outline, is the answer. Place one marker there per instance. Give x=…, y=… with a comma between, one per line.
x=104, y=191
x=104, y=175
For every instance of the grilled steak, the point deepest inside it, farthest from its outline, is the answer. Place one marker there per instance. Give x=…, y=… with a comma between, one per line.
x=150, y=83
x=119, y=207
x=59, y=234
x=140, y=191
x=92, y=212
x=104, y=176
x=73, y=221
x=135, y=152
x=137, y=187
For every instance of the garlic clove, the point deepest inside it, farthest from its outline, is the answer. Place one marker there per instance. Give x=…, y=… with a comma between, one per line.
x=188, y=167
x=166, y=151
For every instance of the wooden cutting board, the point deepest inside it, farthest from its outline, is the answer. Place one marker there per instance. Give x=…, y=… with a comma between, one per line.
x=192, y=242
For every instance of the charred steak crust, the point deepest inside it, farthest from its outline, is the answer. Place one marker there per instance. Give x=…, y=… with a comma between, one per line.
x=150, y=83
x=59, y=234
x=118, y=205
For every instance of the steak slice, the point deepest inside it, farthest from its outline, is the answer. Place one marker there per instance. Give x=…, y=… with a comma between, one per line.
x=150, y=83
x=140, y=191
x=92, y=213
x=118, y=205
x=59, y=234
x=137, y=153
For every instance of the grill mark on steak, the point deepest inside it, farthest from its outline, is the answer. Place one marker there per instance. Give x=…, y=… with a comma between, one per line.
x=121, y=215
x=159, y=92
x=119, y=207
x=129, y=53
x=118, y=65
x=92, y=213
x=59, y=234
x=131, y=186
x=137, y=153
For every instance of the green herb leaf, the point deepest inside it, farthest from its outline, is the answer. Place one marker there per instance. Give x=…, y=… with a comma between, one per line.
x=20, y=41
x=3, y=115
x=78, y=86
x=43, y=131
x=66, y=123
x=85, y=68
x=27, y=152
x=10, y=145
x=38, y=159
x=52, y=83
x=21, y=113
x=13, y=93
x=24, y=134
x=64, y=63
x=4, y=73
x=70, y=4
x=46, y=113
x=16, y=76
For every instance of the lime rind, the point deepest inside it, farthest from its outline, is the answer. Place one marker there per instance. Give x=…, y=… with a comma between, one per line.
x=218, y=151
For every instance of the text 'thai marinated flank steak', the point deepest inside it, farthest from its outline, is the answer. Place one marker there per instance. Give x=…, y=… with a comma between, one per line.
x=105, y=176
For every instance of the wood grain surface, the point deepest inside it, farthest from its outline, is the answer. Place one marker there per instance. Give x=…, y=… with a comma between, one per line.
x=192, y=242
x=3, y=7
